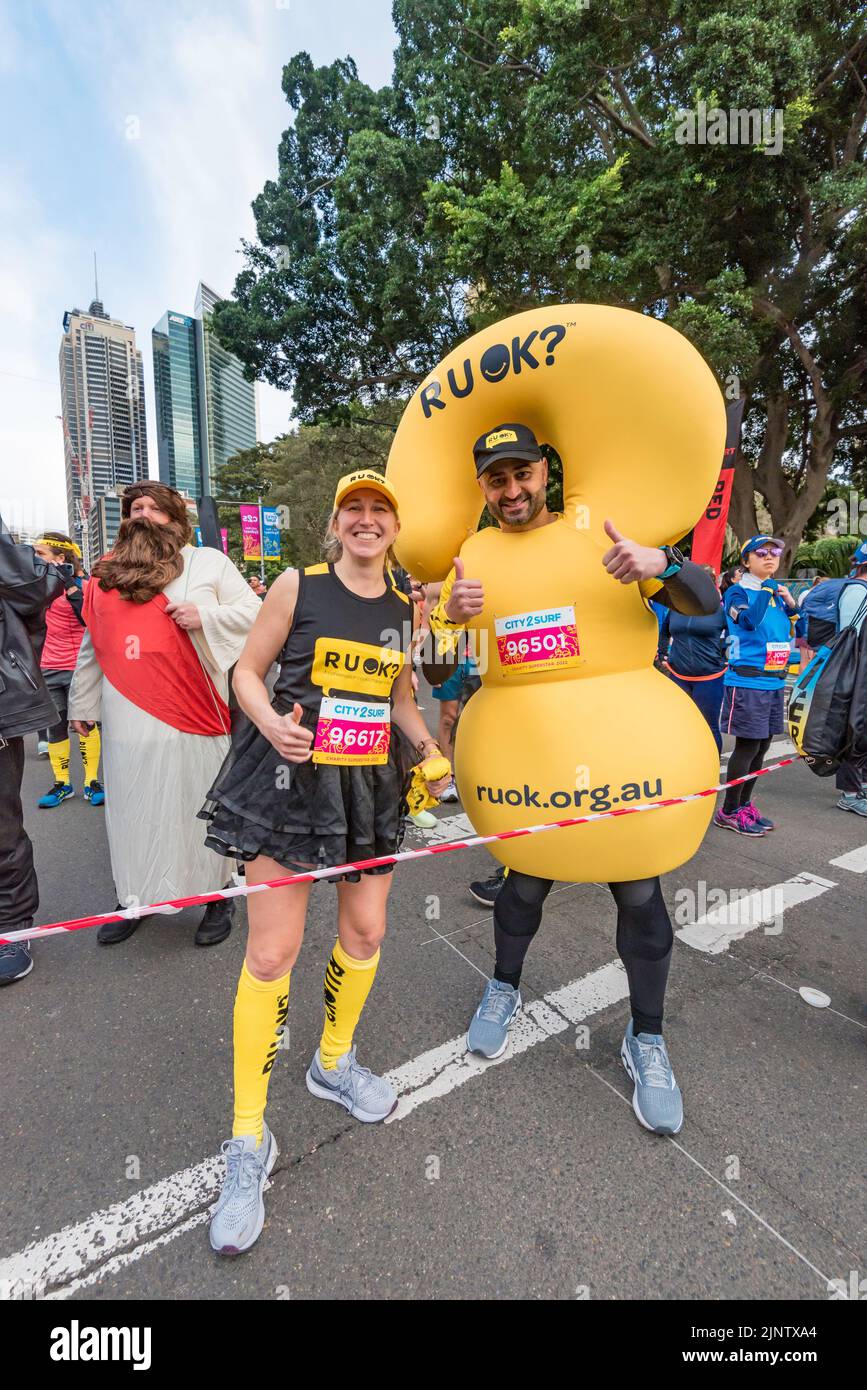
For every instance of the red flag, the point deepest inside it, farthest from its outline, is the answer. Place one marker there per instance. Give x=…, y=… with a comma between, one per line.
x=709, y=535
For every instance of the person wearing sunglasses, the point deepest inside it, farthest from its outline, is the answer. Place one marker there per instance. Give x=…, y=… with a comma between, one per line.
x=758, y=614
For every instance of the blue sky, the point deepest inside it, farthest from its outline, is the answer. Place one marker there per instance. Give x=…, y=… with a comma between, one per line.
x=140, y=131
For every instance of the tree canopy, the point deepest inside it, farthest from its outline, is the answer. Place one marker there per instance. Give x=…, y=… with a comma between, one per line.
x=536, y=151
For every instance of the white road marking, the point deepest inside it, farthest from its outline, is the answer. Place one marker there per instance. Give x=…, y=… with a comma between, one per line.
x=72, y=1251
x=855, y=861
x=443, y=1069
x=716, y=930
x=456, y=827
x=170, y=1207
x=129, y=1257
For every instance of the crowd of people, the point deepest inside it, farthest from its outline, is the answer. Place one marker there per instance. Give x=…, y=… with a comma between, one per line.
x=324, y=765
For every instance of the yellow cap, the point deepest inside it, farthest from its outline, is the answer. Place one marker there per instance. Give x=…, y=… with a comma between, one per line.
x=364, y=477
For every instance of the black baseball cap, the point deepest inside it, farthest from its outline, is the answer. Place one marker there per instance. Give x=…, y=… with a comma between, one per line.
x=505, y=442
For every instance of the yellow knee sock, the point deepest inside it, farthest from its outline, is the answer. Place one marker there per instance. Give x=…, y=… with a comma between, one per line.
x=90, y=749
x=58, y=754
x=347, y=985
x=261, y=1007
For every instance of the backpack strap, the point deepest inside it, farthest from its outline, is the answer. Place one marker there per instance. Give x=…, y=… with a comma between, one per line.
x=861, y=610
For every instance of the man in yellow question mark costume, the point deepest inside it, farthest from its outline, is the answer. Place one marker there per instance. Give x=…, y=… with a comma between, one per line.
x=513, y=475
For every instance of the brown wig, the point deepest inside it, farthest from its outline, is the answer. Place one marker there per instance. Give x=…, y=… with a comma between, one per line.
x=146, y=555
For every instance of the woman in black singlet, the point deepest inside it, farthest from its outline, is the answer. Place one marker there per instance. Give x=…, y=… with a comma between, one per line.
x=316, y=777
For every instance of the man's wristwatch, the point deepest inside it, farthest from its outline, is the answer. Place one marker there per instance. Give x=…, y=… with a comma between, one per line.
x=675, y=561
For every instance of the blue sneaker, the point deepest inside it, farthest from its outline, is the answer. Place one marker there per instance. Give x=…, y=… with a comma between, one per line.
x=61, y=791
x=239, y=1214
x=15, y=962
x=367, y=1097
x=656, y=1100
x=488, y=1032
x=94, y=793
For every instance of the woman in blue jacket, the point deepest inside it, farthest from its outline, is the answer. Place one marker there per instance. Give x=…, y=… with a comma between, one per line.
x=758, y=612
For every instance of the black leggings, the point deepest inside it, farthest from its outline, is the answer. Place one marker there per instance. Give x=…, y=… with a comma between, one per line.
x=748, y=755
x=644, y=938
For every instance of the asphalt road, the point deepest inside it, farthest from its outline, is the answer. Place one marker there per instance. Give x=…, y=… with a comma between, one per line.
x=526, y=1178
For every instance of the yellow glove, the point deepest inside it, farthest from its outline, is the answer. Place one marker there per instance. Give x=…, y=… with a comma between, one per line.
x=418, y=797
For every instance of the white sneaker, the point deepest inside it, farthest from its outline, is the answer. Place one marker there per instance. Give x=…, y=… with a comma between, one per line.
x=451, y=792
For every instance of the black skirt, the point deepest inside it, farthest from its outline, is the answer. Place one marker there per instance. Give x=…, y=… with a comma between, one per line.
x=306, y=815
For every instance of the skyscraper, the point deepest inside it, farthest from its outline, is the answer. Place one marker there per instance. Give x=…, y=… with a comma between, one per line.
x=206, y=411
x=176, y=385
x=227, y=403
x=103, y=404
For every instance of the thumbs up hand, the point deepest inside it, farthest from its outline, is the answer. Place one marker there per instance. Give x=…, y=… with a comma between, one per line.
x=289, y=737
x=466, y=599
x=630, y=562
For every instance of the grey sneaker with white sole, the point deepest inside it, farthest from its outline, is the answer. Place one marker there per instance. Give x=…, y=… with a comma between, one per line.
x=367, y=1097
x=239, y=1215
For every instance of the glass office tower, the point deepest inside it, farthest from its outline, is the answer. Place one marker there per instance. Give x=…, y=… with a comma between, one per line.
x=177, y=404
x=227, y=403
x=206, y=411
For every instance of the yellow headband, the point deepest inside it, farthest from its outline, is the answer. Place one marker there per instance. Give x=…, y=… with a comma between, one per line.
x=59, y=545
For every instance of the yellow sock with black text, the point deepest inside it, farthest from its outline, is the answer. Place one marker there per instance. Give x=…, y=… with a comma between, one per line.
x=347, y=985
x=58, y=754
x=91, y=747
x=261, y=1007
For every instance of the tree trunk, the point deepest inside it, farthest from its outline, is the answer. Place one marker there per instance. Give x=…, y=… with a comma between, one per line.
x=742, y=508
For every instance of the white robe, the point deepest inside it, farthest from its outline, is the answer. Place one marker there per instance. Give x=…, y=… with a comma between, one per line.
x=156, y=778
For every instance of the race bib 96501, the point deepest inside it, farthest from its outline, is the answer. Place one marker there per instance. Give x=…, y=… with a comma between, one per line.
x=544, y=640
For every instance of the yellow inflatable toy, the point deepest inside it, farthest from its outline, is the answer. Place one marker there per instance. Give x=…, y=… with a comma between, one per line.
x=576, y=719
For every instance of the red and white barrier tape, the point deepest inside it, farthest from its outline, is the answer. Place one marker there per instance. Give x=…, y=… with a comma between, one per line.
x=198, y=899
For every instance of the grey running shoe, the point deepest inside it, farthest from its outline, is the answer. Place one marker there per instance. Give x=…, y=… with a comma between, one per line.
x=849, y=801
x=367, y=1097
x=489, y=1029
x=656, y=1100
x=239, y=1215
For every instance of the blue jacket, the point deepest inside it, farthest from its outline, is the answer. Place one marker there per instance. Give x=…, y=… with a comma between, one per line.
x=821, y=602
x=759, y=636
x=697, y=645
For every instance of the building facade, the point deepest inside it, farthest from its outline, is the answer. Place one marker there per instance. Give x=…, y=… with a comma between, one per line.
x=103, y=524
x=176, y=387
x=206, y=411
x=227, y=403
x=103, y=404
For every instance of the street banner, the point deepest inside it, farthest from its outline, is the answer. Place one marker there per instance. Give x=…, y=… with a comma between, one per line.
x=250, y=531
x=271, y=528
x=709, y=534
